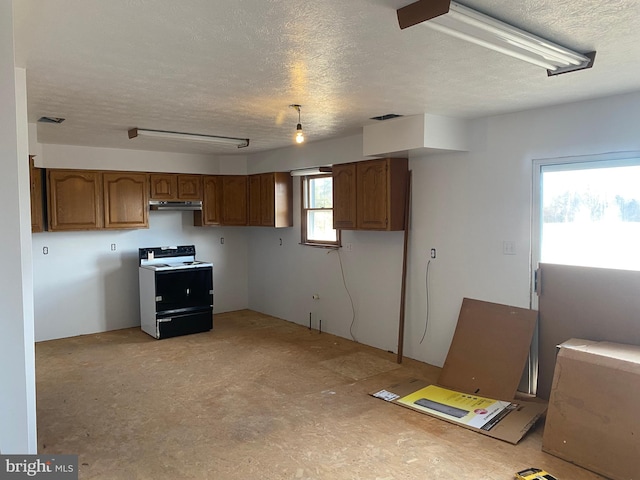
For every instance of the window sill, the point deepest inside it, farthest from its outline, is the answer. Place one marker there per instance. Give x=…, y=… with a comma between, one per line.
x=321, y=245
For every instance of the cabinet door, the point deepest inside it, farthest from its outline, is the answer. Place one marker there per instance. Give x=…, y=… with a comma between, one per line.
x=189, y=187
x=164, y=186
x=234, y=200
x=37, y=216
x=125, y=200
x=255, y=200
x=211, y=213
x=267, y=200
x=344, y=196
x=74, y=200
x=372, y=195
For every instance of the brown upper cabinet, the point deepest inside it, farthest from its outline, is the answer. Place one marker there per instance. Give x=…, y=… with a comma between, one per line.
x=37, y=201
x=125, y=200
x=225, y=201
x=271, y=199
x=74, y=200
x=90, y=200
x=379, y=187
x=173, y=186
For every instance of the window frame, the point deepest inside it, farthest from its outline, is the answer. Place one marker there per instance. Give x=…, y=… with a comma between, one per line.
x=615, y=158
x=304, y=199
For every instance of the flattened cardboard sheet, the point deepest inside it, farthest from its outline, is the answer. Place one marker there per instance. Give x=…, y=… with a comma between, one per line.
x=510, y=428
x=489, y=349
x=487, y=356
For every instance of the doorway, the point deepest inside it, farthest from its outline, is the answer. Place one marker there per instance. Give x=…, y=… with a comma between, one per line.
x=585, y=240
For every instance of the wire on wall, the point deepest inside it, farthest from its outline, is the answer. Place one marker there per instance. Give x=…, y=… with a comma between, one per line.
x=426, y=322
x=353, y=308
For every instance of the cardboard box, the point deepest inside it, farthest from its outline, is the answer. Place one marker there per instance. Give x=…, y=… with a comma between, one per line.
x=593, y=418
x=487, y=356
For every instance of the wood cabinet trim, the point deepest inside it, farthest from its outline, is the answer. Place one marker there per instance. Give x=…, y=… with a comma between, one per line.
x=36, y=196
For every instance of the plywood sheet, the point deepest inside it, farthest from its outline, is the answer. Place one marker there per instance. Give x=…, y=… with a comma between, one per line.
x=489, y=349
x=359, y=365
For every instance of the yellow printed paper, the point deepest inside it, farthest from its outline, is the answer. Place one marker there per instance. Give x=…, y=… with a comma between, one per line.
x=467, y=409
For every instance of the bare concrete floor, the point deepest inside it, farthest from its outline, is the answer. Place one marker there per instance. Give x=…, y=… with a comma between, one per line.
x=256, y=398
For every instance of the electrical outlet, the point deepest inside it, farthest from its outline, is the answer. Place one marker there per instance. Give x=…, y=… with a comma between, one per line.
x=45, y=250
x=509, y=247
x=433, y=253
x=113, y=247
x=348, y=247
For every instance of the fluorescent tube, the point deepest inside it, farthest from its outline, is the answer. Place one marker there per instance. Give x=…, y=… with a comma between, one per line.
x=303, y=172
x=470, y=25
x=191, y=137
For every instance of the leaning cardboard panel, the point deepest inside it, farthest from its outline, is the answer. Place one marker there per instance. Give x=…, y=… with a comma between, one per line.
x=487, y=357
x=593, y=416
x=489, y=349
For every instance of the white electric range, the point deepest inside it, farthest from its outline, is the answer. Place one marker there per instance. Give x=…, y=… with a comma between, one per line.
x=176, y=291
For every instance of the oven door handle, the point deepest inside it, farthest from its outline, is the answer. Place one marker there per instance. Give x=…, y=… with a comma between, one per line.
x=185, y=314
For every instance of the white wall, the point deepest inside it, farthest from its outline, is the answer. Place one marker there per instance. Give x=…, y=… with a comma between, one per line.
x=283, y=280
x=17, y=375
x=93, y=158
x=81, y=286
x=464, y=205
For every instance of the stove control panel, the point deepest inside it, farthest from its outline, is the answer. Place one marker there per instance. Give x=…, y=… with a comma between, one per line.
x=151, y=253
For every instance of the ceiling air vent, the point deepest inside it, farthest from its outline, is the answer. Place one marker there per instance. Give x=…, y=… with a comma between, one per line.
x=386, y=117
x=51, y=120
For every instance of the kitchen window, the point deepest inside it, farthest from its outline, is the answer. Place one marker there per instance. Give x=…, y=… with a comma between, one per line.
x=317, y=212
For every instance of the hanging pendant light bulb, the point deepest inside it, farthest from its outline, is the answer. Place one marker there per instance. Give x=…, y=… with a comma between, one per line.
x=299, y=133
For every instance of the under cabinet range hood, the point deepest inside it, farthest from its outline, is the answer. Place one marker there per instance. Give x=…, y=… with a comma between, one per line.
x=175, y=205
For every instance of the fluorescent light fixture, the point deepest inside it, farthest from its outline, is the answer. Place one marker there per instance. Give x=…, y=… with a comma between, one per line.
x=467, y=24
x=57, y=120
x=190, y=137
x=303, y=172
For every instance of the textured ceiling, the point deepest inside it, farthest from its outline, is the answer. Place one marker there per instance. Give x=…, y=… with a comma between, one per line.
x=232, y=68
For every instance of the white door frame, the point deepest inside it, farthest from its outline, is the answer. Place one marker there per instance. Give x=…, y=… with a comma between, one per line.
x=536, y=228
